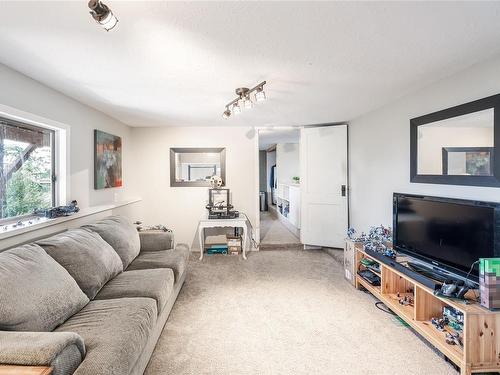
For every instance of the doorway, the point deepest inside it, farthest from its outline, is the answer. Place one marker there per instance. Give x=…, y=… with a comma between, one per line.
x=303, y=185
x=279, y=188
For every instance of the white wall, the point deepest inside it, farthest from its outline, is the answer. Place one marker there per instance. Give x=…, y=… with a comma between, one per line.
x=379, y=143
x=25, y=94
x=287, y=162
x=180, y=208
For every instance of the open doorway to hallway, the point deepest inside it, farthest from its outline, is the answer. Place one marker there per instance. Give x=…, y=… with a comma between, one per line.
x=279, y=179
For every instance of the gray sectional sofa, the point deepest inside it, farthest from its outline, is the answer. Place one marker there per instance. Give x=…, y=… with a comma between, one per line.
x=89, y=301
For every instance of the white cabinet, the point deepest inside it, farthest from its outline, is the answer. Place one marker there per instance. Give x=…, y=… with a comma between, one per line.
x=288, y=202
x=294, y=210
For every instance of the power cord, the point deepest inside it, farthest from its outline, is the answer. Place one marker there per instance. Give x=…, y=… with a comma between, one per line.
x=382, y=307
x=254, y=242
x=467, y=279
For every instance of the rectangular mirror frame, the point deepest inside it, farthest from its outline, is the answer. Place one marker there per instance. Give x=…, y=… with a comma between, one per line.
x=460, y=110
x=173, y=151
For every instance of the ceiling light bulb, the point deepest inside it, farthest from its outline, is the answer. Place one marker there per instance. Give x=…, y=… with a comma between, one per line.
x=236, y=109
x=102, y=14
x=248, y=103
x=260, y=95
x=226, y=113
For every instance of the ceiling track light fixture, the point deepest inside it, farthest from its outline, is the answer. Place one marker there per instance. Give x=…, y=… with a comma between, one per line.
x=101, y=13
x=245, y=99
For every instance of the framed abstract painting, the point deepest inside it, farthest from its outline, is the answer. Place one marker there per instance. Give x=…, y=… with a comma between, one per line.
x=107, y=160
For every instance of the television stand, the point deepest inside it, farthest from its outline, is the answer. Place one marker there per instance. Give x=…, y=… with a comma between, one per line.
x=481, y=335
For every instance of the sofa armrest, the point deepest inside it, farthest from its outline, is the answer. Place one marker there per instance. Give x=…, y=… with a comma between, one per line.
x=155, y=240
x=182, y=247
x=63, y=351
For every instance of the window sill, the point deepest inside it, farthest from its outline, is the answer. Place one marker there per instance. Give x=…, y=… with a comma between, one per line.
x=43, y=223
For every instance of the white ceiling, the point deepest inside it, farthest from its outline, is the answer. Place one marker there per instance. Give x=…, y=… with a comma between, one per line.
x=178, y=63
x=271, y=136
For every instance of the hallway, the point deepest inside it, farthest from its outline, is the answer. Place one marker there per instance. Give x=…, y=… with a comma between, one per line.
x=274, y=235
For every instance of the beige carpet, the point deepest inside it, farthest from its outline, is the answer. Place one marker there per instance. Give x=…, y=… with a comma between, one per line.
x=283, y=312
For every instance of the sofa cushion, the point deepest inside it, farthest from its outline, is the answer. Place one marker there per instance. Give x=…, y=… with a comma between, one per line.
x=176, y=259
x=154, y=240
x=119, y=232
x=115, y=332
x=155, y=283
x=86, y=256
x=36, y=293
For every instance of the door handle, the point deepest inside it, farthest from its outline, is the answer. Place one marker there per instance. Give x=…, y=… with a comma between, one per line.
x=343, y=190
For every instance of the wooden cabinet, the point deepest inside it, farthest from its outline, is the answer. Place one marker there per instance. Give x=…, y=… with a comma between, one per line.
x=481, y=332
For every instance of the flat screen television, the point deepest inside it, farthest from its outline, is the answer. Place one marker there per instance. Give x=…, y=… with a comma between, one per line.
x=450, y=234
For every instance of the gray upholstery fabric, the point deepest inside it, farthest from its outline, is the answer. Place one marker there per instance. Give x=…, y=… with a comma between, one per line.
x=176, y=259
x=67, y=361
x=119, y=232
x=86, y=256
x=115, y=332
x=36, y=293
x=63, y=351
x=155, y=283
x=156, y=240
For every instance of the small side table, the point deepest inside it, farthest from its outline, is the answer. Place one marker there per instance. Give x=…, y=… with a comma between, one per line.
x=240, y=222
x=24, y=370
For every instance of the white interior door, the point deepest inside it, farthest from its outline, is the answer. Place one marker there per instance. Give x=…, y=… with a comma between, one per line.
x=323, y=159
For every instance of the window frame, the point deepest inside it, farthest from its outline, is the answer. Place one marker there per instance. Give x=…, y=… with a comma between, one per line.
x=60, y=153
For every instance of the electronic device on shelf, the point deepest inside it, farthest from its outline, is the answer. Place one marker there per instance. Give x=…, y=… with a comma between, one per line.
x=369, y=276
x=218, y=205
x=224, y=215
x=450, y=235
x=428, y=282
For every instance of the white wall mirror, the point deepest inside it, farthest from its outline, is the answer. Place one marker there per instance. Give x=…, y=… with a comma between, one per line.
x=196, y=166
x=457, y=145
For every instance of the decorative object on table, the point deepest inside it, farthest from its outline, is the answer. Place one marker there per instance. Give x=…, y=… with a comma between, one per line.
x=489, y=282
x=107, y=160
x=378, y=239
x=216, y=182
x=59, y=211
x=405, y=300
x=296, y=179
x=158, y=227
x=453, y=338
x=455, y=318
x=233, y=244
x=439, y=323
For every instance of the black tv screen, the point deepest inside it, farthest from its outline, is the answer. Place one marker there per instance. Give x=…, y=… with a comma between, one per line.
x=449, y=233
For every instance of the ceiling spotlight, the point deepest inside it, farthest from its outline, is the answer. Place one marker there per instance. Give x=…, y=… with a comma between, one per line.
x=102, y=14
x=236, y=109
x=247, y=103
x=260, y=95
x=244, y=99
x=226, y=113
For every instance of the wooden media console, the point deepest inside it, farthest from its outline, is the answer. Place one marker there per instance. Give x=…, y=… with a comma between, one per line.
x=481, y=329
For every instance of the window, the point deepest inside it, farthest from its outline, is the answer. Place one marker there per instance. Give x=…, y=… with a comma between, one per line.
x=27, y=178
